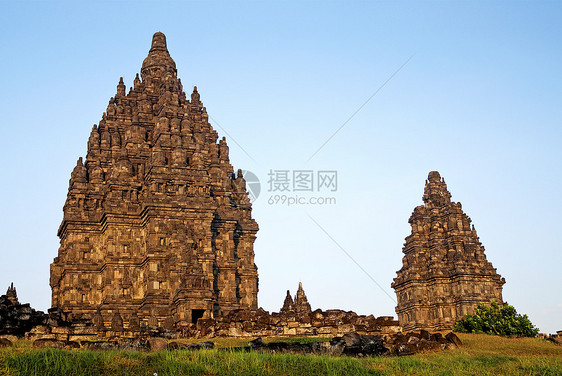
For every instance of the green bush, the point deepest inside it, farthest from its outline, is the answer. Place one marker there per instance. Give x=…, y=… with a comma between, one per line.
x=498, y=320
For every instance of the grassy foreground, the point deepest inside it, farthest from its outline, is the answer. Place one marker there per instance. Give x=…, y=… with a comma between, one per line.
x=481, y=355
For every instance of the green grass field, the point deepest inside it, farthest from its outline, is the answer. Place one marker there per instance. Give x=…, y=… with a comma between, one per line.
x=481, y=355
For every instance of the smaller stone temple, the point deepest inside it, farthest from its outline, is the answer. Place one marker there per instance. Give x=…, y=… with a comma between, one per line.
x=445, y=273
x=12, y=294
x=299, y=305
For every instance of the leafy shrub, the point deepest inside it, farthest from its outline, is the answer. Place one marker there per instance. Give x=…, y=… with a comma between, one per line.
x=498, y=320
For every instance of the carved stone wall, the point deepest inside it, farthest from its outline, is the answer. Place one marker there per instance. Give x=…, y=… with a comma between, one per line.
x=157, y=227
x=445, y=273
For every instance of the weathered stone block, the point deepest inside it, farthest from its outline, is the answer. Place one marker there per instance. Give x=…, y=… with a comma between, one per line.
x=332, y=330
x=346, y=328
x=158, y=344
x=9, y=337
x=47, y=342
x=303, y=331
x=289, y=331
x=60, y=330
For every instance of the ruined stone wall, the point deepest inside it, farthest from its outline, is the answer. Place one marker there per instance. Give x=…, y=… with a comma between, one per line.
x=261, y=323
x=18, y=320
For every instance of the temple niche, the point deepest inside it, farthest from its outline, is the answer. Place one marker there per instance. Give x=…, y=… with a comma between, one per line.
x=445, y=273
x=157, y=227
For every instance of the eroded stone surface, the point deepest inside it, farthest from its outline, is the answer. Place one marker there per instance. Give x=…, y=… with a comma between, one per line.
x=157, y=228
x=445, y=273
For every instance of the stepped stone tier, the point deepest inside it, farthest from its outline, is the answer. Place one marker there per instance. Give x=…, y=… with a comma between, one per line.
x=445, y=273
x=157, y=227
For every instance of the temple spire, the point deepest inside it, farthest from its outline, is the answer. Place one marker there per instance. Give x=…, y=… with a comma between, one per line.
x=288, y=304
x=158, y=68
x=79, y=173
x=436, y=193
x=301, y=302
x=121, y=88
x=159, y=42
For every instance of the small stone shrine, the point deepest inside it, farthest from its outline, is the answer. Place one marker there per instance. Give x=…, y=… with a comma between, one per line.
x=299, y=305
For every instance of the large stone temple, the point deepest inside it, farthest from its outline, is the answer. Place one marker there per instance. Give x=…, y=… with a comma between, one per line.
x=445, y=273
x=157, y=227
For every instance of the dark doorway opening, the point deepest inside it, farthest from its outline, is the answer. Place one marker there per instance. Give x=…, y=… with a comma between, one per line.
x=196, y=314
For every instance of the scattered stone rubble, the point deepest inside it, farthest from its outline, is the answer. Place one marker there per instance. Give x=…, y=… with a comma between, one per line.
x=294, y=319
x=350, y=344
x=122, y=344
x=16, y=319
x=58, y=329
x=354, y=344
x=190, y=346
x=352, y=334
x=260, y=323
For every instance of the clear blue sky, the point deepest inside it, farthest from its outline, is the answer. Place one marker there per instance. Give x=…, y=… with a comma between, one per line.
x=479, y=101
